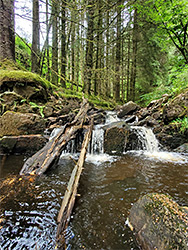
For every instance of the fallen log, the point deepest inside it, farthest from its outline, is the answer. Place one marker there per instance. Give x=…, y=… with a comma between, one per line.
x=71, y=192
x=49, y=154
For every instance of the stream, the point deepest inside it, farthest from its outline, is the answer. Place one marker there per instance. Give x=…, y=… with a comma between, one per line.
x=108, y=187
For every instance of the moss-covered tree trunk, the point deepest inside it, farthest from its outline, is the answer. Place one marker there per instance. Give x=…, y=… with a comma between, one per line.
x=7, y=37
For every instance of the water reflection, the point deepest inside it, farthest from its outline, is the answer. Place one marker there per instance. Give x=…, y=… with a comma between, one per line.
x=107, y=189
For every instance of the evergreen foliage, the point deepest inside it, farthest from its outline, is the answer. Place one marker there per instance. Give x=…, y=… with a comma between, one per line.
x=118, y=50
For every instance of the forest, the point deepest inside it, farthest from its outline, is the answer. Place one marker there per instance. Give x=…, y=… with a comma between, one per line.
x=116, y=50
x=93, y=124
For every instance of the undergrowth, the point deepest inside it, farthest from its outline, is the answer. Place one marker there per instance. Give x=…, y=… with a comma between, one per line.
x=182, y=124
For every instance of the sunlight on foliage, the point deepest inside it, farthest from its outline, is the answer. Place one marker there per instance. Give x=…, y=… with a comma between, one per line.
x=182, y=123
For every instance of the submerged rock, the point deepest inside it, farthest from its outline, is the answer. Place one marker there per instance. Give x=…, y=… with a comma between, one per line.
x=159, y=222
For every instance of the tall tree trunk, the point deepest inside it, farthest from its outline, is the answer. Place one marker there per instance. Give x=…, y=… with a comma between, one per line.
x=47, y=44
x=122, y=70
x=35, y=67
x=134, y=55
x=118, y=54
x=89, y=48
x=63, y=45
x=73, y=51
x=107, y=80
x=128, y=66
x=78, y=58
x=82, y=45
x=97, y=79
x=7, y=36
x=55, y=43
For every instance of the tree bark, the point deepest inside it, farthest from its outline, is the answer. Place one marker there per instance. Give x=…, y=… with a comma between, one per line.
x=47, y=44
x=89, y=48
x=63, y=45
x=54, y=43
x=7, y=36
x=97, y=80
x=118, y=55
x=128, y=66
x=35, y=67
x=71, y=191
x=134, y=57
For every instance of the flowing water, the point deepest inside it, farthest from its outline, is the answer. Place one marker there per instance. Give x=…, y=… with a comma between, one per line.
x=108, y=187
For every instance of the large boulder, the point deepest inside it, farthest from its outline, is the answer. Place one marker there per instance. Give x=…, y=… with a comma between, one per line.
x=14, y=123
x=159, y=222
x=176, y=108
x=22, y=144
x=116, y=137
x=127, y=109
x=170, y=135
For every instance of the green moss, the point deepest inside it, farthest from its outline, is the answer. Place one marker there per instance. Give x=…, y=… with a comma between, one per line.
x=23, y=76
x=10, y=65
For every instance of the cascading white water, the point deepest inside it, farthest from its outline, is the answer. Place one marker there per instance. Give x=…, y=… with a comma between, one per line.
x=142, y=141
x=111, y=116
x=97, y=141
x=150, y=146
x=147, y=138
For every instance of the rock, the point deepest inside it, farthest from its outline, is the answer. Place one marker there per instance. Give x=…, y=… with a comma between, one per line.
x=131, y=119
x=159, y=223
x=170, y=135
x=23, y=144
x=176, y=108
x=115, y=138
x=182, y=149
x=32, y=92
x=24, y=108
x=127, y=109
x=14, y=123
x=119, y=124
x=9, y=100
x=170, y=141
x=48, y=110
x=148, y=121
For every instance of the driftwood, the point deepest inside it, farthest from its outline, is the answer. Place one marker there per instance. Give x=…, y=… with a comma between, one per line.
x=49, y=154
x=71, y=192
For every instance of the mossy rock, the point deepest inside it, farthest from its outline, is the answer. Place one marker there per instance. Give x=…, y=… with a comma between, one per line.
x=176, y=108
x=159, y=222
x=10, y=77
x=9, y=101
x=115, y=138
x=14, y=123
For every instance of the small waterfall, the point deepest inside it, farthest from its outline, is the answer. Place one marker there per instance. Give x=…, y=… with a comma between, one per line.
x=111, y=117
x=97, y=141
x=144, y=139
